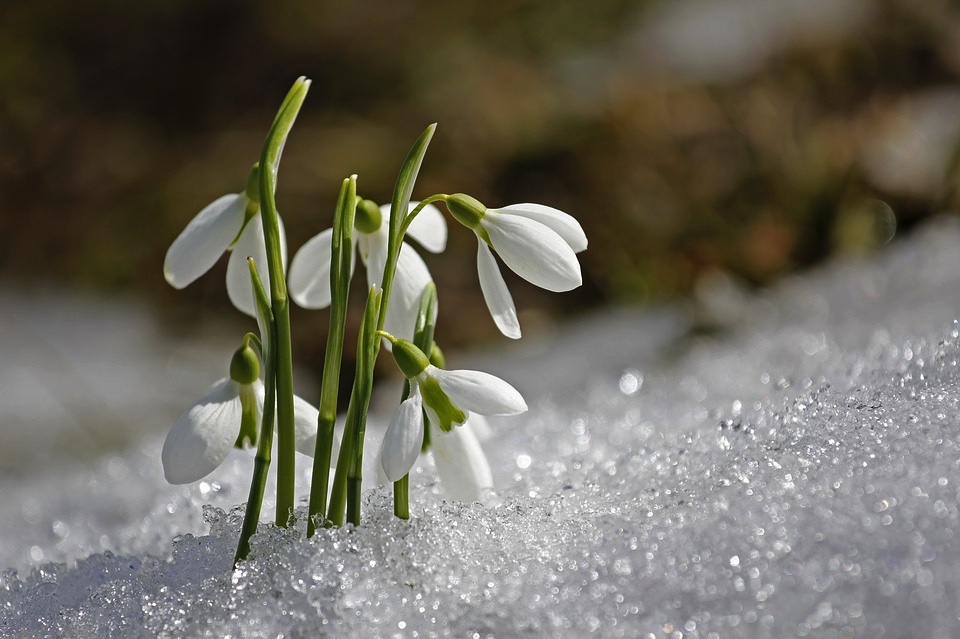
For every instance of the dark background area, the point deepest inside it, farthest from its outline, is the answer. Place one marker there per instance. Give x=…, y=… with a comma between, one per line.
x=692, y=138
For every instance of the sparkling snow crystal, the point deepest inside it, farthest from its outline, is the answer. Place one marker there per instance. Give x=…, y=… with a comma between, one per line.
x=794, y=473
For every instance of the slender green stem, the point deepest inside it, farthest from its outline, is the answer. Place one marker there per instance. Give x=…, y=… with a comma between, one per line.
x=412, y=215
x=261, y=464
x=423, y=339
x=338, y=494
x=401, y=487
x=341, y=258
x=286, y=429
x=401, y=497
x=347, y=480
x=369, y=343
x=283, y=364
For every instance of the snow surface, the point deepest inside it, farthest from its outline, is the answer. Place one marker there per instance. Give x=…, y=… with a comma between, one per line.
x=792, y=471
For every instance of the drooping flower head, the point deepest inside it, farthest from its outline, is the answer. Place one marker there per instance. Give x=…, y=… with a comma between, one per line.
x=537, y=242
x=309, y=277
x=230, y=223
x=228, y=416
x=447, y=396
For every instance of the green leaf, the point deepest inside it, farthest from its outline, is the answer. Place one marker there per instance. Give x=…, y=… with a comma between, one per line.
x=407, y=179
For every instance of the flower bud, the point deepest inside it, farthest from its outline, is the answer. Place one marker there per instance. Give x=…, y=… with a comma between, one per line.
x=466, y=209
x=245, y=365
x=410, y=359
x=368, y=218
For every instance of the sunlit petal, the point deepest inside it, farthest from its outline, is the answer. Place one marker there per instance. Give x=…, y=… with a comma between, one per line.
x=203, y=435
x=461, y=464
x=373, y=252
x=533, y=251
x=496, y=294
x=203, y=241
x=429, y=228
x=403, y=439
x=309, y=277
x=480, y=426
x=479, y=392
x=411, y=278
x=564, y=224
x=250, y=244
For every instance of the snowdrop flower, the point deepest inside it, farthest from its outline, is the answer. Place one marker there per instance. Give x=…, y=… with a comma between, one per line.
x=228, y=417
x=446, y=396
x=309, y=278
x=537, y=242
x=230, y=223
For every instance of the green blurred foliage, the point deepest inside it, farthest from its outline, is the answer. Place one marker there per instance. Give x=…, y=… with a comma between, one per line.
x=119, y=121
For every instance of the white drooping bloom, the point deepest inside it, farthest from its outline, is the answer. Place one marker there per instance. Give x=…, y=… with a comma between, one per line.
x=461, y=463
x=448, y=397
x=537, y=242
x=230, y=223
x=309, y=277
x=203, y=435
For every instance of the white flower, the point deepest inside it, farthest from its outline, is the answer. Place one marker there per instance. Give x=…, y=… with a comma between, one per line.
x=230, y=223
x=461, y=464
x=309, y=278
x=448, y=397
x=537, y=242
x=404, y=437
x=204, y=433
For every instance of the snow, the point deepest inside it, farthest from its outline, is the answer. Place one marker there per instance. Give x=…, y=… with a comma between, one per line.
x=792, y=471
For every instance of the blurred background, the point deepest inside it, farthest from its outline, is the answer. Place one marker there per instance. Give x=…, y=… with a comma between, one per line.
x=697, y=141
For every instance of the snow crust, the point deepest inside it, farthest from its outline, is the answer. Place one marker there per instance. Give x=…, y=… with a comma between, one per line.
x=793, y=470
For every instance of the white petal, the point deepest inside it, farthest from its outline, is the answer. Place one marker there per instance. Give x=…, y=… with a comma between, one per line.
x=411, y=278
x=479, y=392
x=496, y=294
x=533, y=251
x=480, y=426
x=429, y=228
x=203, y=241
x=309, y=277
x=373, y=251
x=564, y=224
x=463, y=468
x=403, y=439
x=250, y=244
x=203, y=435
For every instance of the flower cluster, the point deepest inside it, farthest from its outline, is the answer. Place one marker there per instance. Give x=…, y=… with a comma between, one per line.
x=448, y=397
x=443, y=410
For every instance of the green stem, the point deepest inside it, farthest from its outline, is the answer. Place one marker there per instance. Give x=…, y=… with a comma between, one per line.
x=340, y=260
x=261, y=464
x=369, y=343
x=338, y=494
x=401, y=497
x=423, y=339
x=408, y=220
x=283, y=358
x=368, y=346
x=347, y=480
x=286, y=429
